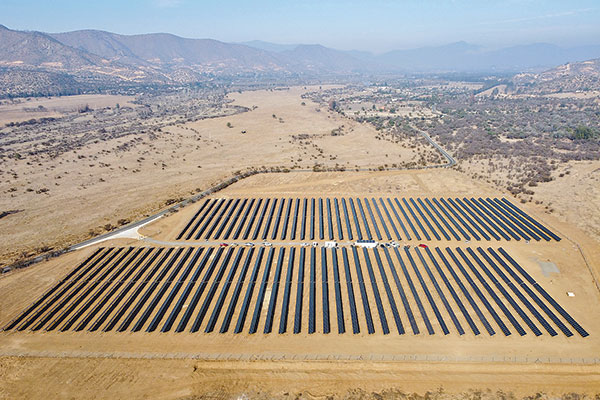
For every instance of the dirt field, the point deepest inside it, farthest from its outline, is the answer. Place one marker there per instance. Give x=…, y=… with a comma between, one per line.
x=581, y=181
x=26, y=109
x=573, y=196
x=186, y=365
x=66, y=199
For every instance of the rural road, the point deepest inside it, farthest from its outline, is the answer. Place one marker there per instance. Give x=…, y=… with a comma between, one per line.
x=447, y=156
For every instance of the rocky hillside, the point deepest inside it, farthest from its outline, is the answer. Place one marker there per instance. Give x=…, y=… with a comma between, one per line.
x=571, y=77
x=162, y=50
x=40, y=50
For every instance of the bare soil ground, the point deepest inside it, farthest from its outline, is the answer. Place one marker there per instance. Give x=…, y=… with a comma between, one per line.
x=26, y=109
x=573, y=195
x=192, y=379
x=139, y=365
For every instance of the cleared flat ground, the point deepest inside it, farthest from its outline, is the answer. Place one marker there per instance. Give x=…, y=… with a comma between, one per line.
x=23, y=109
x=185, y=365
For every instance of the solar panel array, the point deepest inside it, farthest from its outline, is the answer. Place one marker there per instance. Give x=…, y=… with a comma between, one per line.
x=354, y=218
x=300, y=290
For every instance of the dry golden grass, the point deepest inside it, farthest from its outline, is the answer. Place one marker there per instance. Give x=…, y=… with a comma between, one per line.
x=110, y=185
x=573, y=197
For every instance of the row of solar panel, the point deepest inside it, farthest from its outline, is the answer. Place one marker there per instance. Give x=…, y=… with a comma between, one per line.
x=174, y=289
x=353, y=218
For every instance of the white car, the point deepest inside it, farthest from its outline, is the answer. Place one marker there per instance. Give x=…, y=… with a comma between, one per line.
x=267, y=244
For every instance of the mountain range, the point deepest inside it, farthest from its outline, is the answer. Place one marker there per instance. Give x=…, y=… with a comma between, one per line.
x=462, y=57
x=465, y=57
x=160, y=58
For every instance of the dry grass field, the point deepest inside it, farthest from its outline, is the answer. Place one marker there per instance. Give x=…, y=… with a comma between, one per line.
x=65, y=199
x=573, y=196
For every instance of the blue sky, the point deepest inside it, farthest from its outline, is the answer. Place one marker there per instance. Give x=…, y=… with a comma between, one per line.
x=374, y=25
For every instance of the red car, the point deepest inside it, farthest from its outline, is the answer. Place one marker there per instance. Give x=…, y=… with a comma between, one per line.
x=423, y=245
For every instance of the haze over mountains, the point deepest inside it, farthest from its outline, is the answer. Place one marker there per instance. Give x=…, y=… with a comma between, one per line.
x=464, y=57
x=101, y=58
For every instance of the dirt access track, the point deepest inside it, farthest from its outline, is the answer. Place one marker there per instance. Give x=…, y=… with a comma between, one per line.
x=199, y=365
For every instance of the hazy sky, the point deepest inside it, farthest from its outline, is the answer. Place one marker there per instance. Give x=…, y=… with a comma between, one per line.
x=375, y=25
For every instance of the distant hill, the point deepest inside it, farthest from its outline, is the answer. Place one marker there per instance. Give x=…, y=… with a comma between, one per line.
x=539, y=56
x=166, y=50
x=38, y=49
x=465, y=57
x=104, y=44
x=280, y=48
x=314, y=58
x=268, y=46
x=571, y=77
x=453, y=57
x=448, y=57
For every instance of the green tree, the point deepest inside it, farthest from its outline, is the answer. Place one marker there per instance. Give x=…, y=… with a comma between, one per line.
x=584, y=132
